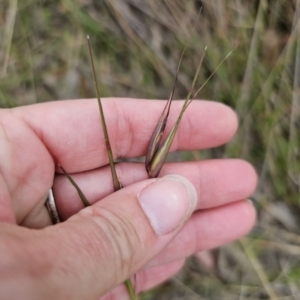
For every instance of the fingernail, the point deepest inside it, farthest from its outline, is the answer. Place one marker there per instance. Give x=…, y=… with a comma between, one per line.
x=168, y=202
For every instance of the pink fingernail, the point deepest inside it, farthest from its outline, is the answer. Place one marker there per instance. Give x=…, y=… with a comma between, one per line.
x=168, y=202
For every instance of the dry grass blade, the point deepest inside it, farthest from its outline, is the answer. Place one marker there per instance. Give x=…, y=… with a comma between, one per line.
x=80, y=193
x=260, y=271
x=116, y=182
x=161, y=153
x=161, y=125
x=9, y=29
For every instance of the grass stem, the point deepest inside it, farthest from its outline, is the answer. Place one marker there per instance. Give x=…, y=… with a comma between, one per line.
x=116, y=182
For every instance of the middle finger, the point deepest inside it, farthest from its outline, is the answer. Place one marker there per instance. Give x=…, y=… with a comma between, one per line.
x=217, y=182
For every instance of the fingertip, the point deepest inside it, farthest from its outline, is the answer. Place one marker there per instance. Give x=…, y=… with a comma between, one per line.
x=227, y=120
x=219, y=123
x=248, y=170
x=250, y=212
x=252, y=174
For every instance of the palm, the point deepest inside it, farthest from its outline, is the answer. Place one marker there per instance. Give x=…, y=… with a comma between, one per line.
x=27, y=172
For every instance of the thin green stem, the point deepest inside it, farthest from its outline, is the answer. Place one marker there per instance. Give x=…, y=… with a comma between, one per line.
x=130, y=289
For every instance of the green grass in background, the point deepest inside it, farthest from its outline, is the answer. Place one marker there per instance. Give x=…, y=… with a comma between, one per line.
x=137, y=44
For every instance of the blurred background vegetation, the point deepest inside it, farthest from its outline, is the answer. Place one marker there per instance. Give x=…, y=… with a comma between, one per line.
x=137, y=44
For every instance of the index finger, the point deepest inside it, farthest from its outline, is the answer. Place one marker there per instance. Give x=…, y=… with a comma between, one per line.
x=71, y=130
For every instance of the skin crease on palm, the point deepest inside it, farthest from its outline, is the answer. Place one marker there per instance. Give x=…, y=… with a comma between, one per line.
x=70, y=258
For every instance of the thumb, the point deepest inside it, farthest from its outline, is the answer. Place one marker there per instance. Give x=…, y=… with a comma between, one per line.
x=105, y=244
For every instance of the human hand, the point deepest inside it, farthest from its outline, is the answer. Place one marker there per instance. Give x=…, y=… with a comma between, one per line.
x=97, y=248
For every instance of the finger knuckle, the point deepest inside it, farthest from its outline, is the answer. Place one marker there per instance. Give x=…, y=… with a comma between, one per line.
x=121, y=237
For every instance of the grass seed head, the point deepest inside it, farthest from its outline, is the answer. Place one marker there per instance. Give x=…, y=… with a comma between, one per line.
x=160, y=154
x=155, y=140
